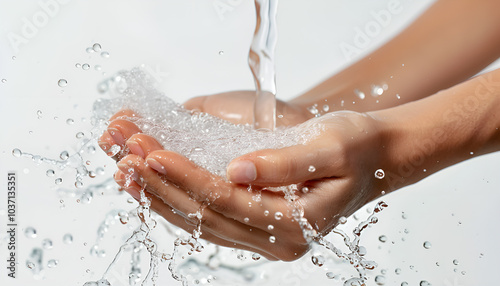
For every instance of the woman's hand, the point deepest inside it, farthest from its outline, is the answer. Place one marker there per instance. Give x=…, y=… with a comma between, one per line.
x=333, y=173
x=238, y=107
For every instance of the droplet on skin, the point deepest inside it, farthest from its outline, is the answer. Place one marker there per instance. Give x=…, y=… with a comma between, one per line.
x=270, y=227
x=266, y=212
x=272, y=239
x=359, y=94
x=342, y=220
x=377, y=91
x=278, y=215
x=255, y=256
x=379, y=174
x=62, y=82
x=311, y=169
x=326, y=108
x=246, y=220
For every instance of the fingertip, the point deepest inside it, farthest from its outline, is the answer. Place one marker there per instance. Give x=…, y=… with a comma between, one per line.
x=195, y=103
x=241, y=171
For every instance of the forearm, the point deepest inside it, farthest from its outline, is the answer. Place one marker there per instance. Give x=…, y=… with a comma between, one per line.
x=450, y=42
x=425, y=136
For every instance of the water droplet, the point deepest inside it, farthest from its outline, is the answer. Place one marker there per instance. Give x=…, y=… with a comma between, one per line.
x=342, y=220
x=89, y=50
x=221, y=53
x=52, y=263
x=64, y=155
x=318, y=260
x=58, y=181
x=313, y=109
x=379, y=174
x=278, y=215
x=78, y=184
x=377, y=91
x=130, y=200
x=266, y=212
x=17, y=153
x=70, y=121
x=270, y=227
x=47, y=243
x=68, y=238
x=380, y=280
x=311, y=169
x=124, y=218
x=105, y=55
x=4, y=80
x=96, y=47
x=455, y=261
x=272, y=239
x=305, y=190
x=30, y=265
x=330, y=275
x=382, y=238
x=79, y=135
x=427, y=245
x=30, y=232
x=255, y=256
x=397, y=271
x=50, y=173
x=326, y=108
x=404, y=283
x=85, y=66
x=97, y=67
x=246, y=220
x=424, y=283
x=398, y=97
x=78, y=65
x=359, y=94
x=62, y=82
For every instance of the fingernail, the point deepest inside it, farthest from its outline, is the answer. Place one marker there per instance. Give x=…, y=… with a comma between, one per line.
x=134, y=192
x=242, y=172
x=156, y=166
x=135, y=148
x=117, y=135
x=104, y=146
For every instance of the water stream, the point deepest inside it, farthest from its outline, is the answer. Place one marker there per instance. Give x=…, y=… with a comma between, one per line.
x=261, y=62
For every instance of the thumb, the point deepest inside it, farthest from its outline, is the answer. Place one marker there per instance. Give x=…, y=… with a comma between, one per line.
x=284, y=166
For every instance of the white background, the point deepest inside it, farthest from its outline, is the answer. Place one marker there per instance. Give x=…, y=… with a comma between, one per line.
x=180, y=43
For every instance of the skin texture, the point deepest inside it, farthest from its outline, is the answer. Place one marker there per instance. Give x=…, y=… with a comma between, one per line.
x=408, y=142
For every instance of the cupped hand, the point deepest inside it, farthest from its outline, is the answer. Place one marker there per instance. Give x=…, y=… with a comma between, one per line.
x=333, y=173
x=238, y=107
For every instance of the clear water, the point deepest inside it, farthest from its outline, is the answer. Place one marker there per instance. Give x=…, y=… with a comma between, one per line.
x=261, y=62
